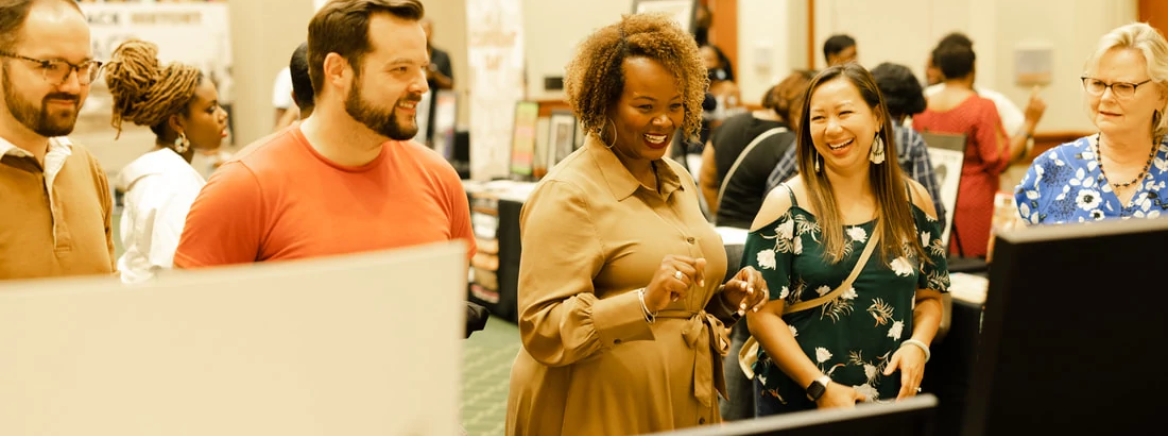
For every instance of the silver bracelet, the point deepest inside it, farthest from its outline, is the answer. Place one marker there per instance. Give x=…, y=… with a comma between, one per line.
x=650, y=317
x=923, y=346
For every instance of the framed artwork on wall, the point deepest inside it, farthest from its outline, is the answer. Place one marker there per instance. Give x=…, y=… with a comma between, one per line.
x=523, y=139
x=561, y=136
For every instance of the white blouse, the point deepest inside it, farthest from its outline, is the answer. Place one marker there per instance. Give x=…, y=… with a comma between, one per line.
x=160, y=187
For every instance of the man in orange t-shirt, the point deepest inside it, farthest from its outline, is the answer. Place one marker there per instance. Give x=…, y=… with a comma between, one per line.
x=347, y=179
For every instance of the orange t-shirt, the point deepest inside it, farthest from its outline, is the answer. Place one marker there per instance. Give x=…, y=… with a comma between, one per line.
x=279, y=199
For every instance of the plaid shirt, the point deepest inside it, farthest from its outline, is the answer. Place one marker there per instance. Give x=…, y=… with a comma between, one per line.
x=911, y=154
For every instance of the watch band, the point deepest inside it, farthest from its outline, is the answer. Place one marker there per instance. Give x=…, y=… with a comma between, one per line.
x=818, y=388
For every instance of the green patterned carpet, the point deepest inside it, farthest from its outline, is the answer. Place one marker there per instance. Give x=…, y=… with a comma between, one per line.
x=486, y=373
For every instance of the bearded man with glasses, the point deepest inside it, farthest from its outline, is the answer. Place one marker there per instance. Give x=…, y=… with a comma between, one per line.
x=54, y=195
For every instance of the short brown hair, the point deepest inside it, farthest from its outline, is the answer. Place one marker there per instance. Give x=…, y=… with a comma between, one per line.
x=595, y=78
x=786, y=98
x=342, y=27
x=13, y=14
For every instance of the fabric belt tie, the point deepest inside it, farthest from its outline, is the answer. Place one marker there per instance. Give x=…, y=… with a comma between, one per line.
x=705, y=334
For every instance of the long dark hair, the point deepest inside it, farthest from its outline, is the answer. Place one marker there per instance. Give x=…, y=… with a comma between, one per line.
x=898, y=229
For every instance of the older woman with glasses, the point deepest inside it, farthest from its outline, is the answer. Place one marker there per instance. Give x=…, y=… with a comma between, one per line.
x=1121, y=171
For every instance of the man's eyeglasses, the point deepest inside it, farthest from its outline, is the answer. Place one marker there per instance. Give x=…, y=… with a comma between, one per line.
x=57, y=71
x=1120, y=89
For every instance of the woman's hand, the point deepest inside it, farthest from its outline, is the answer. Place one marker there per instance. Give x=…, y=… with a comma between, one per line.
x=839, y=396
x=747, y=291
x=673, y=279
x=910, y=360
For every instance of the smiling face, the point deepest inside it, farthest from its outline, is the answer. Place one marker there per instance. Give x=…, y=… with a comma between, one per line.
x=1113, y=114
x=842, y=125
x=385, y=91
x=649, y=111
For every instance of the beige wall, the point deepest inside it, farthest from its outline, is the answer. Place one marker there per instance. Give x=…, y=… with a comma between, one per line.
x=553, y=29
x=997, y=28
x=772, y=41
x=263, y=35
x=449, y=18
x=772, y=37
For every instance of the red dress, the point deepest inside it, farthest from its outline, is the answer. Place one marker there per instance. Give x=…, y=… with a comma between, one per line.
x=976, y=118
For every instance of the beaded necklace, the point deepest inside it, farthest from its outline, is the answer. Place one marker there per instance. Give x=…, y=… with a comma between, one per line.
x=1147, y=166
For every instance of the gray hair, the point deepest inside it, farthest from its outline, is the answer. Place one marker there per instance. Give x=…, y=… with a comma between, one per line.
x=1149, y=42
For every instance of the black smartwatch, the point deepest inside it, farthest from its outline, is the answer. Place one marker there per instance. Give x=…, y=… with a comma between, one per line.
x=818, y=388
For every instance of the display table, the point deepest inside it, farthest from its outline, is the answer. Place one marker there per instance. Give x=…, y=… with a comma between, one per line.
x=494, y=280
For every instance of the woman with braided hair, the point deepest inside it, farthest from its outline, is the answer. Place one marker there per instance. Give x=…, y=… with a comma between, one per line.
x=180, y=105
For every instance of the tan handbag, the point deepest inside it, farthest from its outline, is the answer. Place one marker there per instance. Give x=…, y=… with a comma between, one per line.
x=749, y=352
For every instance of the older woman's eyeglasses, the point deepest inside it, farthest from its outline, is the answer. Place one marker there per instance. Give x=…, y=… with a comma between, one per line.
x=58, y=71
x=1120, y=89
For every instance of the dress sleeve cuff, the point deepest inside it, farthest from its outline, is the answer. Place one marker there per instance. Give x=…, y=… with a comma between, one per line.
x=718, y=307
x=620, y=318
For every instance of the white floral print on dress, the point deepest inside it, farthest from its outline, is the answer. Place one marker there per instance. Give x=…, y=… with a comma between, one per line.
x=766, y=259
x=1088, y=199
x=822, y=290
x=822, y=355
x=902, y=267
x=858, y=234
x=786, y=230
x=896, y=330
x=870, y=393
x=794, y=331
x=849, y=294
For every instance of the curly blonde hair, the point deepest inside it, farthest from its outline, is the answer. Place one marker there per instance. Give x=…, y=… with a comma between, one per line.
x=595, y=78
x=144, y=91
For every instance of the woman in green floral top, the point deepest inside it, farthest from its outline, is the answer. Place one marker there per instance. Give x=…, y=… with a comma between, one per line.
x=870, y=342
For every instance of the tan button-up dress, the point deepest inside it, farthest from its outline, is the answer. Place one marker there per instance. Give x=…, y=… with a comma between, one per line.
x=591, y=364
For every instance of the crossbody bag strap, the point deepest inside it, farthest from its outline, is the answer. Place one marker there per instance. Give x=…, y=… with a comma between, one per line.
x=742, y=156
x=847, y=284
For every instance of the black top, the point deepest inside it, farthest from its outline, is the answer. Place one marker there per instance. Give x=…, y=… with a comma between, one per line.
x=441, y=62
x=747, y=188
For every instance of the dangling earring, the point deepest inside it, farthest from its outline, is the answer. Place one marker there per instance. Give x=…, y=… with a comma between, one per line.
x=601, y=133
x=877, y=153
x=1156, y=117
x=181, y=144
x=817, y=158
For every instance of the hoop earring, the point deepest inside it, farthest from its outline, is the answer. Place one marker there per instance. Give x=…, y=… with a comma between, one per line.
x=614, y=136
x=1157, y=116
x=181, y=143
x=876, y=155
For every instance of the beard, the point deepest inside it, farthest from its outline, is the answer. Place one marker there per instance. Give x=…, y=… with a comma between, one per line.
x=48, y=124
x=379, y=119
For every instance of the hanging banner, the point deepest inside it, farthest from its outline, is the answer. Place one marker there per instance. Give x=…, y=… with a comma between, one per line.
x=193, y=33
x=495, y=56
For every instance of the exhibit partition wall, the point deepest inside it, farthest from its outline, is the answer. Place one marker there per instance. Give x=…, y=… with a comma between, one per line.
x=296, y=348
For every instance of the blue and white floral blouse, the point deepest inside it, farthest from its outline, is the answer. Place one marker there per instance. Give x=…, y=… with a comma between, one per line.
x=1066, y=185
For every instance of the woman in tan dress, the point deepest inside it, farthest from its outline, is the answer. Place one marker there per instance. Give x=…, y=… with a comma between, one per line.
x=622, y=316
